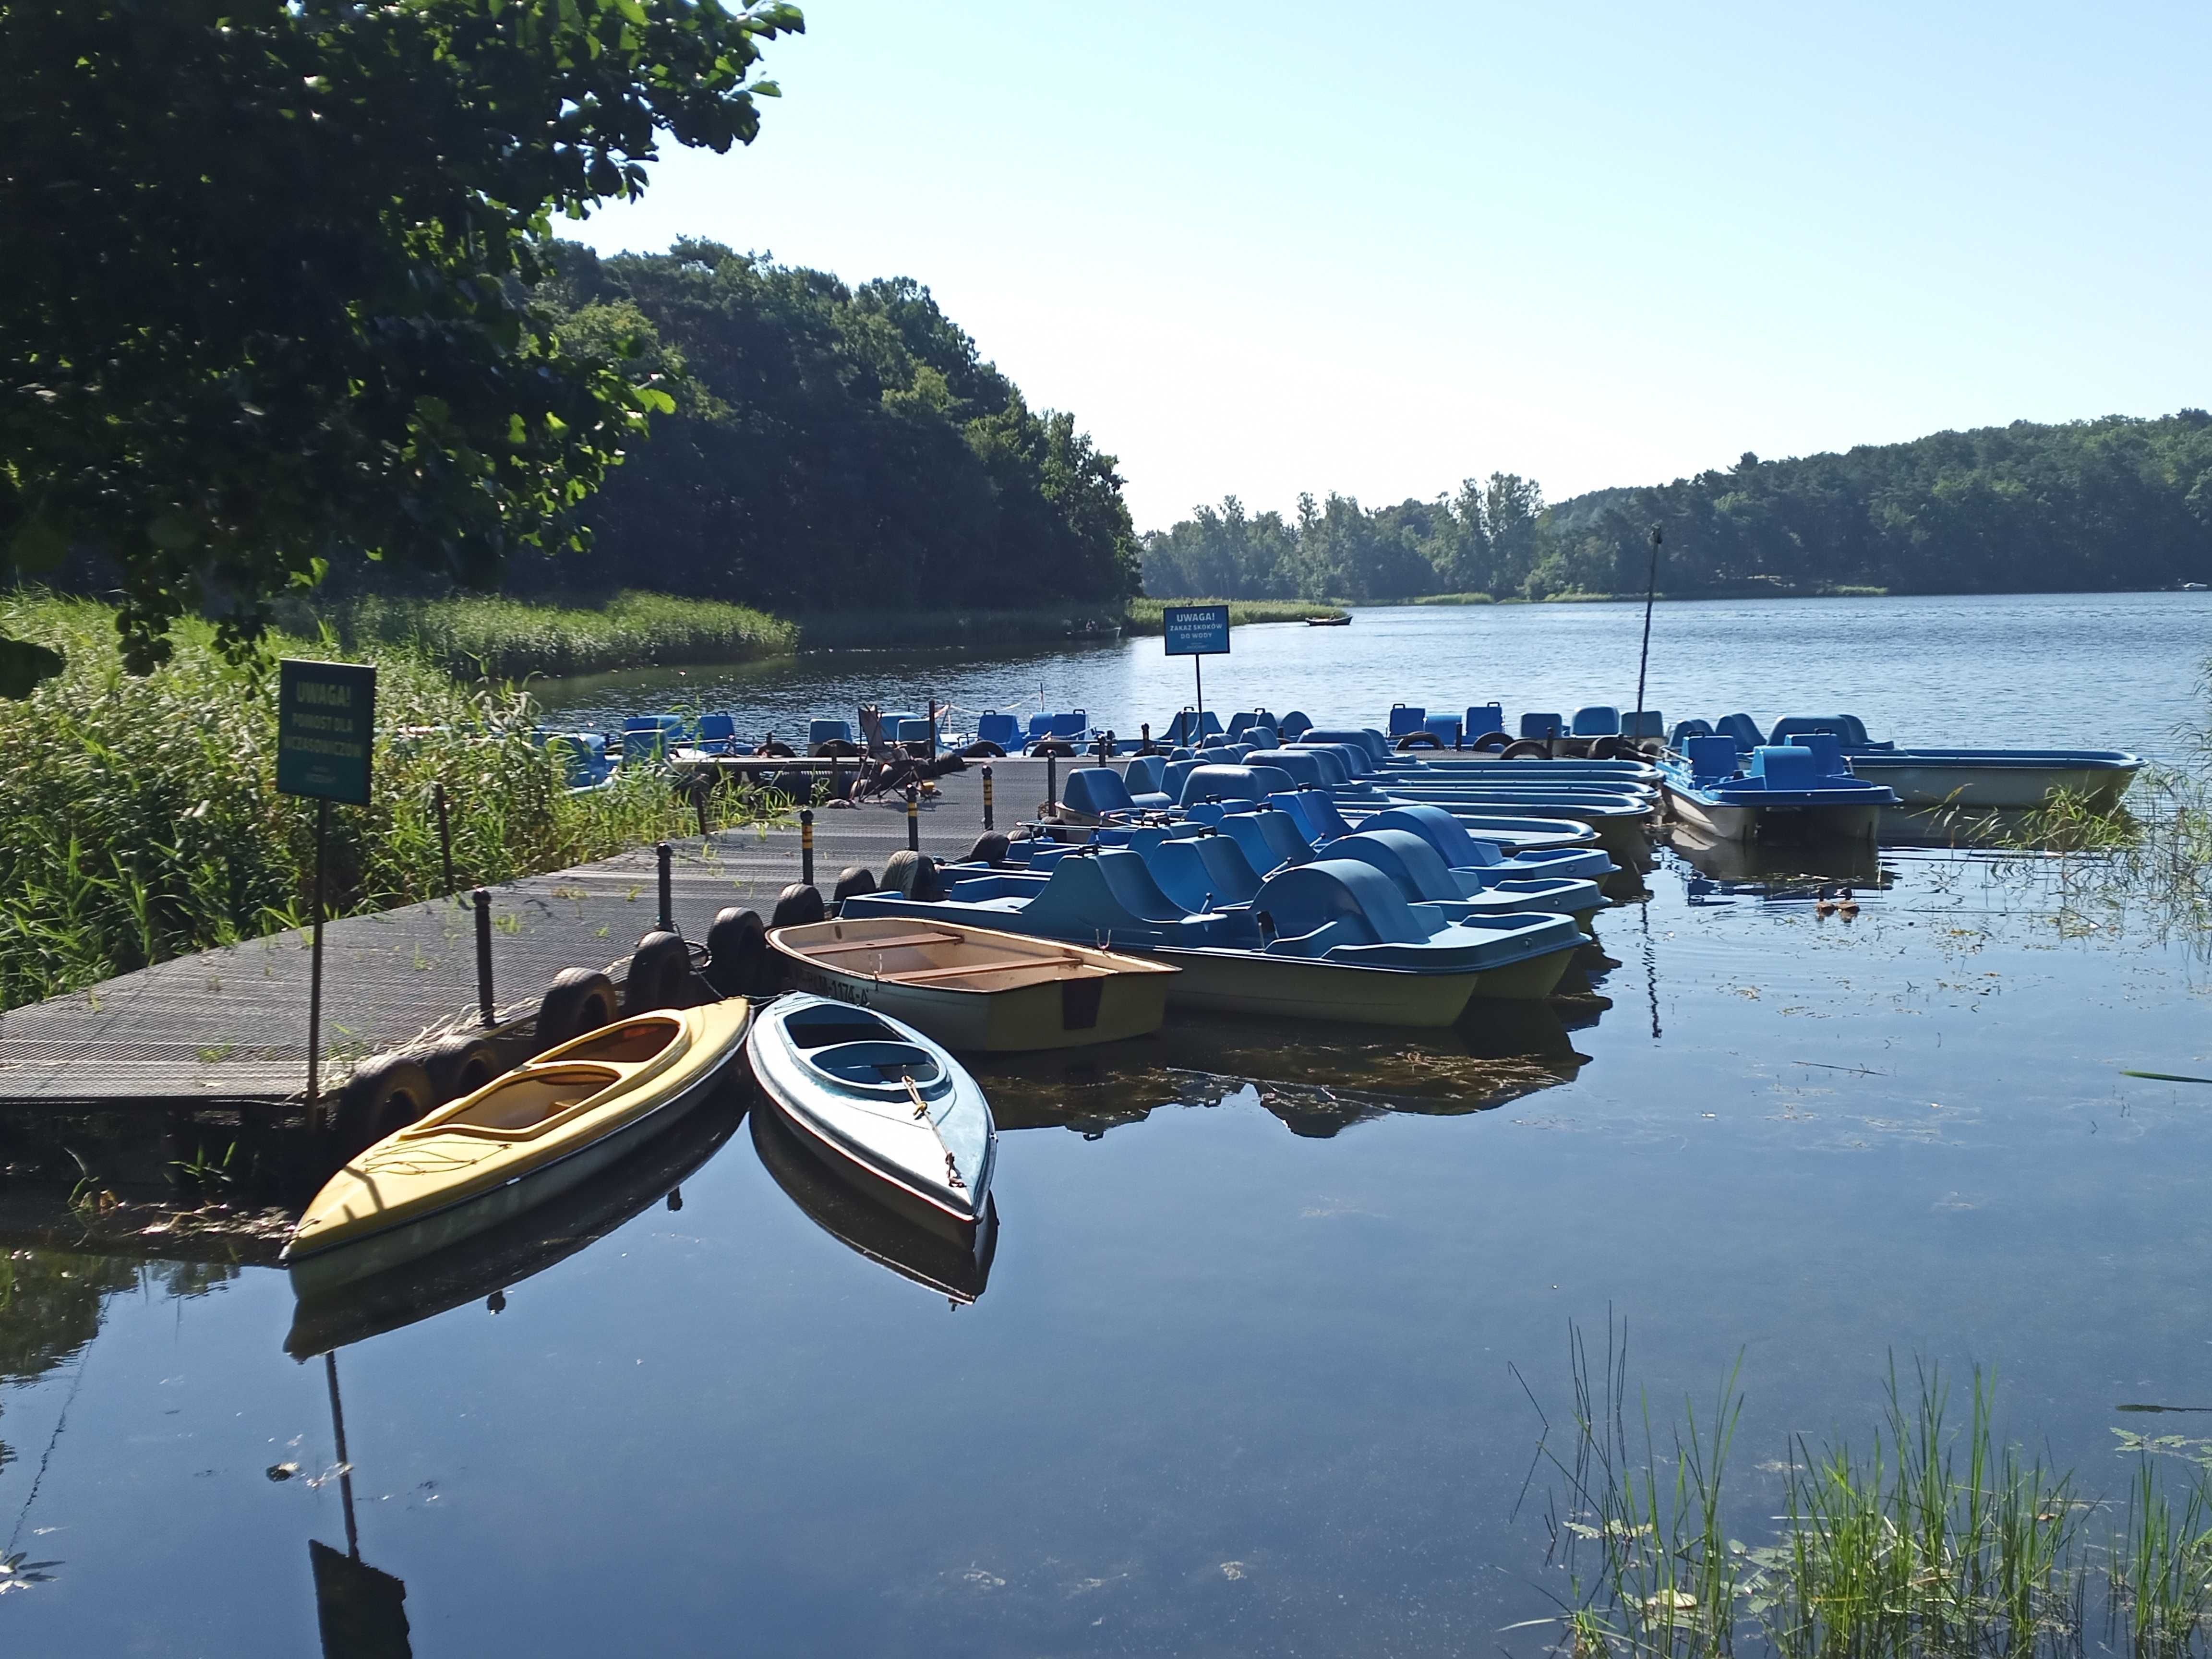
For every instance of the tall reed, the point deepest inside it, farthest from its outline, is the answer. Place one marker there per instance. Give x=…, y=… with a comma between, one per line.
x=139, y=817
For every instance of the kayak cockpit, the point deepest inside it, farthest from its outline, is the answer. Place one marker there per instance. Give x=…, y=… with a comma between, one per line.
x=878, y=1068
x=534, y=1098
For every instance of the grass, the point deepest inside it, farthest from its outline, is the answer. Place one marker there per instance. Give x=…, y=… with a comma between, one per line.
x=1454, y=598
x=1935, y=1539
x=139, y=818
x=882, y=631
x=1145, y=615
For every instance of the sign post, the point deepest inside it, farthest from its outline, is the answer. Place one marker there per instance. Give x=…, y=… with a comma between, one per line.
x=325, y=720
x=1197, y=631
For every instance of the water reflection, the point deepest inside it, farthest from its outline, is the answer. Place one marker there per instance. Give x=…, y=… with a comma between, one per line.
x=959, y=1272
x=1778, y=870
x=485, y=1266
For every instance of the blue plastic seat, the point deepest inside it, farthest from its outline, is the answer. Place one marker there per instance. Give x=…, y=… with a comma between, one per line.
x=1203, y=872
x=1827, y=749
x=1711, y=757
x=1294, y=725
x=828, y=730
x=582, y=755
x=915, y=732
x=1484, y=718
x=1598, y=721
x=1643, y=723
x=1685, y=730
x=1444, y=728
x=1319, y=899
x=1742, y=728
x=1458, y=849
x=1410, y=862
x=1093, y=791
x=1094, y=891
x=1301, y=765
x=1241, y=721
x=1072, y=724
x=1543, y=726
x=1797, y=727
x=646, y=737
x=1147, y=775
x=716, y=730
x=1040, y=727
x=1316, y=813
x=1784, y=766
x=1205, y=781
x=1377, y=747
x=992, y=727
x=1406, y=719
x=1269, y=839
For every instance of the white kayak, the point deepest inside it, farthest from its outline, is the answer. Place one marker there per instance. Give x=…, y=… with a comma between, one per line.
x=879, y=1100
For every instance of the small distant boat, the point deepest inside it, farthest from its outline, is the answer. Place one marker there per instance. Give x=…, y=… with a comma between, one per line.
x=882, y=1104
x=974, y=989
x=527, y=1136
x=1329, y=622
x=2190, y=587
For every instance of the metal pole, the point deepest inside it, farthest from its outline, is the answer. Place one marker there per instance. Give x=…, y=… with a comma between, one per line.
x=987, y=795
x=484, y=954
x=1051, y=783
x=1198, y=668
x=1650, y=592
x=345, y=1463
x=913, y=819
x=933, y=726
x=666, y=855
x=806, y=845
x=315, y=974
x=446, y=840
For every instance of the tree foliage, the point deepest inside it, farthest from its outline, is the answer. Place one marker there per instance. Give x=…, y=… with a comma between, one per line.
x=268, y=298
x=837, y=447
x=2107, y=504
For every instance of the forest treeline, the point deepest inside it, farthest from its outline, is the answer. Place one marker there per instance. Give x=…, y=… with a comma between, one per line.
x=2106, y=504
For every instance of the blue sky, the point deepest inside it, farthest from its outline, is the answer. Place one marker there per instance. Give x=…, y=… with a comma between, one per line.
x=1259, y=249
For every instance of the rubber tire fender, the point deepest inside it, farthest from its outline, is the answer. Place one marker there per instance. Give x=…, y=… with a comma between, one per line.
x=1528, y=749
x=658, y=974
x=581, y=1000
x=383, y=1096
x=1607, y=748
x=460, y=1065
x=736, y=946
x=851, y=880
x=798, y=906
x=836, y=748
x=1492, y=740
x=990, y=848
x=1419, y=740
x=1053, y=746
x=984, y=748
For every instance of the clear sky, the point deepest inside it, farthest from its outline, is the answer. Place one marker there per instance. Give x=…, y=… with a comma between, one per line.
x=1263, y=248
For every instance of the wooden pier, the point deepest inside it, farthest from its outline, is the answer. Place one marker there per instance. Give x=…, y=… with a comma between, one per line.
x=229, y=1027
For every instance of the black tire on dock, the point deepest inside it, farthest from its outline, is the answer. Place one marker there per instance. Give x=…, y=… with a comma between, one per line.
x=1053, y=746
x=836, y=748
x=1419, y=740
x=989, y=848
x=384, y=1096
x=799, y=906
x=1607, y=748
x=852, y=880
x=984, y=749
x=581, y=1000
x=460, y=1065
x=659, y=974
x=1528, y=749
x=1491, y=740
x=735, y=946
x=902, y=873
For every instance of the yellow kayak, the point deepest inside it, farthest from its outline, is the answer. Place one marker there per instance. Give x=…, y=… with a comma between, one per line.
x=559, y=1118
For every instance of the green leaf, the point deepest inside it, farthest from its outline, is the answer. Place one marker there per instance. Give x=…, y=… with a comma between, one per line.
x=656, y=400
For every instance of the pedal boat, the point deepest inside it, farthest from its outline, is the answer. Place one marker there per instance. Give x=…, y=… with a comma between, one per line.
x=1797, y=791
x=882, y=1104
x=975, y=990
x=527, y=1136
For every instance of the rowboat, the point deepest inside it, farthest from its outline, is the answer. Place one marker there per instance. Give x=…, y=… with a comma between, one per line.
x=957, y=1269
x=976, y=990
x=525, y=1137
x=885, y=1106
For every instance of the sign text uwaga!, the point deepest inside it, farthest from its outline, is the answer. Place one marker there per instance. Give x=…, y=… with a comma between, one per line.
x=326, y=716
x=1196, y=631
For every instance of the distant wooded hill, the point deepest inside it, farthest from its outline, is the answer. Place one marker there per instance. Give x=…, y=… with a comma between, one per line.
x=2112, y=503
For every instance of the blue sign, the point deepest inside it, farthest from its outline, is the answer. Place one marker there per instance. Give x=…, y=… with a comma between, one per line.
x=1197, y=631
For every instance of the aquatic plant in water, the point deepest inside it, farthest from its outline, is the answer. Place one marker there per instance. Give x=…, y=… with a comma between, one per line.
x=1936, y=1539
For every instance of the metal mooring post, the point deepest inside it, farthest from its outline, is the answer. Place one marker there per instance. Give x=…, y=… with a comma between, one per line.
x=986, y=797
x=913, y=819
x=806, y=845
x=667, y=857
x=445, y=839
x=484, y=954
x=1051, y=784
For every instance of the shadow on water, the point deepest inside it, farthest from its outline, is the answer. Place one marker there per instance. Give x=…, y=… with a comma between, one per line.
x=485, y=1266
x=959, y=1272
x=1778, y=870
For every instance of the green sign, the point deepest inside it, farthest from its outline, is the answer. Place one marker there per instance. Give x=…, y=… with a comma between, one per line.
x=326, y=718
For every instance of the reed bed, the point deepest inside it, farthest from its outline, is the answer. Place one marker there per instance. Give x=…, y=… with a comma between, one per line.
x=139, y=818
x=1933, y=1539
x=892, y=630
x=491, y=638
x=1145, y=615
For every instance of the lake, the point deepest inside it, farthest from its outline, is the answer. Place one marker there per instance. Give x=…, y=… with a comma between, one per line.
x=2101, y=671
x=1251, y=1371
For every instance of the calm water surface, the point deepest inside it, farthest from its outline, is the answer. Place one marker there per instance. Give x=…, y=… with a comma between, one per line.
x=2096, y=670
x=1246, y=1375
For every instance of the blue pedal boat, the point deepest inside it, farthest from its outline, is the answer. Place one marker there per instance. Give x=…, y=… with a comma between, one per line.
x=1801, y=790
x=2006, y=780
x=1331, y=939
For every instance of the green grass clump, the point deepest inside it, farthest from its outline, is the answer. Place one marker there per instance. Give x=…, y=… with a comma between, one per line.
x=1936, y=1540
x=139, y=818
x=1145, y=615
x=489, y=637
x=1455, y=598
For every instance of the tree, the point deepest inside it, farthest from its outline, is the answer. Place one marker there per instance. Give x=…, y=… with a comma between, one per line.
x=271, y=265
